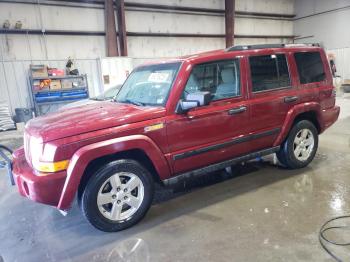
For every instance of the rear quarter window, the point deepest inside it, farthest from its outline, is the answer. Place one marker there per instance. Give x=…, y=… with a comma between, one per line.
x=310, y=67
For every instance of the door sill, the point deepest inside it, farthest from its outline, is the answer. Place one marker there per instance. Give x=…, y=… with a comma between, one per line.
x=217, y=166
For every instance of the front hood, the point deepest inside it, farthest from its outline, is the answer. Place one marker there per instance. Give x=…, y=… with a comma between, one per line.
x=79, y=103
x=88, y=118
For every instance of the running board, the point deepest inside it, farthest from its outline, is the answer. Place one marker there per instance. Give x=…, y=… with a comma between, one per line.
x=218, y=166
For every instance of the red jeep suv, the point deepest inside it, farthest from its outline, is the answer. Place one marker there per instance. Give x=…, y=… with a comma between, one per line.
x=175, y=120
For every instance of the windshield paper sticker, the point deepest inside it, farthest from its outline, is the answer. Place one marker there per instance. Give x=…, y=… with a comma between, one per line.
x=158, y=77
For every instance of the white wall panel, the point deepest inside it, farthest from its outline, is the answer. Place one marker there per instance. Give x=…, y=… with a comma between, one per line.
x=266, y=6
x=53, y=17
x=254, y=26
x=329, y=28
x=171, y=47
x=152, y=22
x=217, y=4
x=22, y=47
x=307, y=7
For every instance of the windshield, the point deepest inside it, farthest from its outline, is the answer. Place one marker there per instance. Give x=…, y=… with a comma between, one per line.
x=148, y=85
x=109, y=93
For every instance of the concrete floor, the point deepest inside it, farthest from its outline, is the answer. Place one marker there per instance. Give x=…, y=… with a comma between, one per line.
x=264, y=213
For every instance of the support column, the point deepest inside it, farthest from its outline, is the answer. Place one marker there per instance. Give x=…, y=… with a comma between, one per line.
x=229, y=22
x=110, y=28
x=122, y=27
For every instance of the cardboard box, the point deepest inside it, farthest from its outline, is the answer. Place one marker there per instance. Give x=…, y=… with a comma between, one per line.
x=346, y=82
x=56, y=72
x=39, y=70
x=66, y=84
x=55, y=84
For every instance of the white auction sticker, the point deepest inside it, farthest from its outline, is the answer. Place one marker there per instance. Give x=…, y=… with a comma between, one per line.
x=159, y=77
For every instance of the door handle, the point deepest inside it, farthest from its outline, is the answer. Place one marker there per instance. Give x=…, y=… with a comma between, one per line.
x=237, y=110
x=290, y=99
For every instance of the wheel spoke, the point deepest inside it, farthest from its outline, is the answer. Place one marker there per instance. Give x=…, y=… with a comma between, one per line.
x=115, y=181
x=297, y=151
x=297, y=140
x=309, y=141
x=304, y=133
x=104, y=198
x=133, y=201
x=132, y=183
x=116, y=210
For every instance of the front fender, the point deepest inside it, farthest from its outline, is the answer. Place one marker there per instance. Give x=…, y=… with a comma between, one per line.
x=292, y=114
x=86, y=154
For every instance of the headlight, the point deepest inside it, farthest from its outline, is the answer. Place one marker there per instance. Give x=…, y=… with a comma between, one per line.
x=42, y=163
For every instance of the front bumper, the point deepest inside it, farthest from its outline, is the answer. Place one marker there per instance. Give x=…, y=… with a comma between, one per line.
x=42, y=189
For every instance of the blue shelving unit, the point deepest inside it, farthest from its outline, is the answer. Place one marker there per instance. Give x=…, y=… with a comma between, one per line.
x=60, y=96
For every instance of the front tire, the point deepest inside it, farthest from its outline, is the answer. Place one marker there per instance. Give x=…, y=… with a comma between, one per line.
x=118, y=195
x=300, y=147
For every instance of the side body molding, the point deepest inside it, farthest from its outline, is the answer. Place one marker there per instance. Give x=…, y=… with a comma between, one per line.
x=292, y=114
x=86, y=154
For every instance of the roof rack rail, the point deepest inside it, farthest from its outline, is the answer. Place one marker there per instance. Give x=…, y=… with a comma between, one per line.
x=248, y=47
x=304, y=44
x=263, y=46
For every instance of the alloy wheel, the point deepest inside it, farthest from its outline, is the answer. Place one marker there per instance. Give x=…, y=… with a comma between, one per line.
x=120, y=196
x=303, y=145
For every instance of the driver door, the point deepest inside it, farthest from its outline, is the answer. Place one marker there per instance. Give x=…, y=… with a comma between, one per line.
x=206, y=134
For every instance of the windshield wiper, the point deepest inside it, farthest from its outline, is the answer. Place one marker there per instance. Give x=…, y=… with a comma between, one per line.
x=137, y=103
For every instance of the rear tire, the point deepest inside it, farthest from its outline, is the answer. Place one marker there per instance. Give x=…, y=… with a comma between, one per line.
x=118, y=195
x=300, y=147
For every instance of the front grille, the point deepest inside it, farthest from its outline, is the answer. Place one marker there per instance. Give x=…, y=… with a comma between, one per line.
x=26, y=140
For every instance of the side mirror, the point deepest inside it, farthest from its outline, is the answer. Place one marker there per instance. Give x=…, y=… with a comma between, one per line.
x=193, y=100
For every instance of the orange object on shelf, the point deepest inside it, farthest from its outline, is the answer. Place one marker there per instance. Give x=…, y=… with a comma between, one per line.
x=45, y=83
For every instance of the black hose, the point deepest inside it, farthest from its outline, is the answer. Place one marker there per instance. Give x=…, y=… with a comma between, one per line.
x=6, y=148
x=8, y=163
x=323, y=239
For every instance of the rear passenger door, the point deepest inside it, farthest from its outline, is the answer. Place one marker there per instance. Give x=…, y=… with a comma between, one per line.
x=271, y=95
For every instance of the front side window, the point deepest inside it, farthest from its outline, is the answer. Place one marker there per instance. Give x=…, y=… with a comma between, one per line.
x=269, y=72
x=310, y=67
x=148, y=85
x=221, y=79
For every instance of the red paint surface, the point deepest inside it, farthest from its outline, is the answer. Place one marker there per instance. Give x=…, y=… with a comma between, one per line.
x=85, y=133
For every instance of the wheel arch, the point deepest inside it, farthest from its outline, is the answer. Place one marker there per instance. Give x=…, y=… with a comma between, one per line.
x=135, y=154
x=310, y=116
x=308, y=111
x=137, y=147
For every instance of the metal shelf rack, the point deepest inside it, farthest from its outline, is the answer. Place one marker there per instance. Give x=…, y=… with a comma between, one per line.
x=47, y=97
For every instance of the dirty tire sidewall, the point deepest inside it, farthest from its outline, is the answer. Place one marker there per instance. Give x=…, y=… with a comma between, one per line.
x=89, y=198
x=286, y=154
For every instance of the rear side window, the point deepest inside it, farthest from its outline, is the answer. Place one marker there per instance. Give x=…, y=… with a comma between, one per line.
x=310, y=67
x=221, y=79
x=269, y=72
